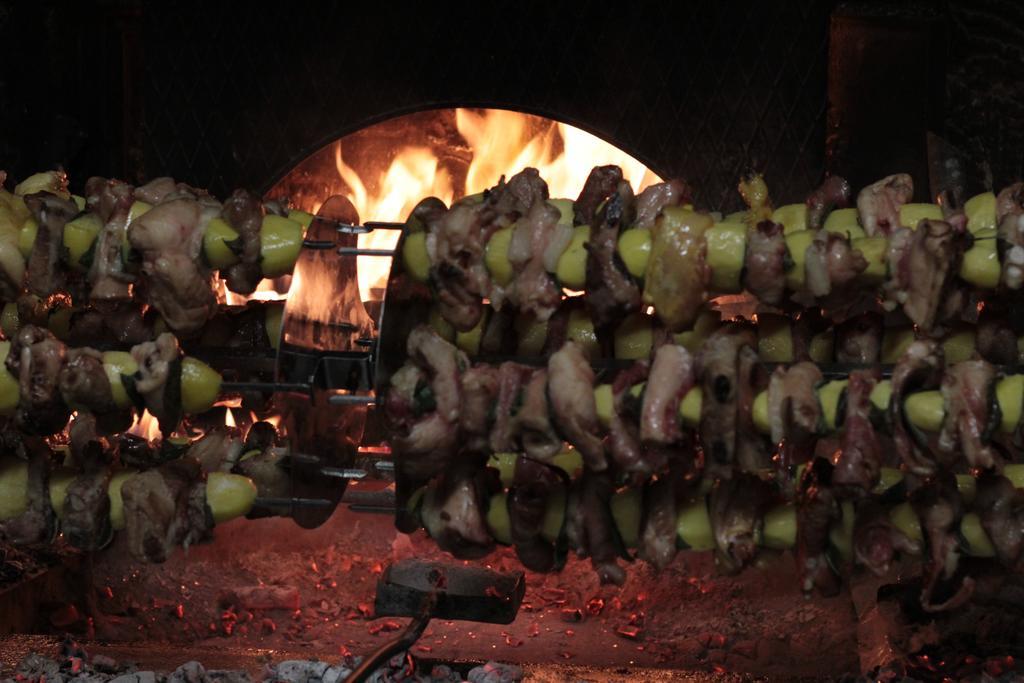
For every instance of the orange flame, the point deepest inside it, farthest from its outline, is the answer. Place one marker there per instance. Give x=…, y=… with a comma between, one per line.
x=229, y=418
x=146, y=426
x=503, y=143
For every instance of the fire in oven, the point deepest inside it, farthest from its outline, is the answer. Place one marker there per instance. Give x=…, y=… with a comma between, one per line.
x=467, y=393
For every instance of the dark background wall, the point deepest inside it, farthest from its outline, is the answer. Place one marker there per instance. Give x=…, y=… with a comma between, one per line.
x=223, y=95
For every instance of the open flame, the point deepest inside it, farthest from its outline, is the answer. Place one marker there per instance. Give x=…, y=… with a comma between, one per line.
x=146, y=426
x=501, y=142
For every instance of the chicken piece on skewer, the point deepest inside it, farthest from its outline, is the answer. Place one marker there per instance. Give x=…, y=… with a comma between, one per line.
x=166, y=507
x=766, y=262
x=859, y=461
x=677, y=278
x=453, y=511
x=511, y=379
x=533, y=422
x=111, y=200
x=876, y=540
x=937, y=503
x=833, y=193
x=244, y=212
x=919, y=368
x=736, y=507
x=933, y=262
x=601, y=183
x=533, y=486
x=158, y=380
x=170, y=238
x=718, y=365
x=967, y=390
x=670, y=378
x=36, y=358
x=86, y=520
x=85, y=386
x=571, y=392
x=599, y=527
x=533, y=242
x=651, y=202
x=611, y=292
x=859, y=339
x=44, y=276
x=794, y=413
x=816, y=510
x=658, y=532
x=1010, y=231
x=879, y=204
x=626, y=449
x=479, y=386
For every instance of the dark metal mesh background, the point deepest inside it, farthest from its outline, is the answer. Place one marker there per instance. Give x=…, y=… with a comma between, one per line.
x=701, y=90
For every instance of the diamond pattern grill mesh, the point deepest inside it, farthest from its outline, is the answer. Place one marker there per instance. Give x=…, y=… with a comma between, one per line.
x=703, y=91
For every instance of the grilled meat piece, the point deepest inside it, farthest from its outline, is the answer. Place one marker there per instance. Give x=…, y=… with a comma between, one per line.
x=1010, y=201
x=1000, y=506
x=624, y=445
x=875, y=540
x=522, y=192
x=455, y=243
x=38, y=523
x=218, y=449
x=752, y=452
x=156, y=190
x=611, y=294
x=765, y=262
x=859, y=339
x=44, y=276
x=937, y=502
x=534, y=289
x=36, y=358
x=920, y=367
x=244, y=212
x=602, y=182
x=879, y=204
x=670, y=378
x=831, y=264
x=794, y=412
x=158, y=380
x=533, y=487
x=816, y=510
x=718, y=372
x=84, y=383
x=86, y=522
x=654, y=198
x=479, y=391
x=112, y=201
x=736, y=507
x=453, y=512
x=166, y=507
x=658, y=533
x=859, y=462
x=995, y=339
x=934, y=260
x=968, y=393
x=170, y=238
x=266, y=470
x=511, y=378
x=833, y=193
x=533, y=421
x=1010, y=231
x=424, y=440
x=599, y=527
x=442, y=362
x=571, y=391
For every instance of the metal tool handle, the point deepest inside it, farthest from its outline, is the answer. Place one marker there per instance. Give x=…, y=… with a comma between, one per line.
x=403, y=642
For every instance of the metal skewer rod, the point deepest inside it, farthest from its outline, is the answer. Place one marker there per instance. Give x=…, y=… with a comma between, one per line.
x=293, y=502
x=351, y=400
x=265, y=386
x=356, y=251
x=343, y=472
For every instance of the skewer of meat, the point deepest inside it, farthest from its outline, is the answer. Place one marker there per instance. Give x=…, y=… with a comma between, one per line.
x=43, y=380
x=684, y=252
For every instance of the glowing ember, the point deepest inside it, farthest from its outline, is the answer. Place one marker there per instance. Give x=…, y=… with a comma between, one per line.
x=229, y=418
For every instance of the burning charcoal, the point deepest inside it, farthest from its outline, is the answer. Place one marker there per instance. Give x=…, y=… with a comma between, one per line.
x=37, y=667
x=493, y=672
